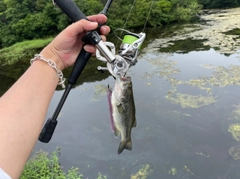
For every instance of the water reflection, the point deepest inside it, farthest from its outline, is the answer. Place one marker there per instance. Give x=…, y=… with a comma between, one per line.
x=9, y=74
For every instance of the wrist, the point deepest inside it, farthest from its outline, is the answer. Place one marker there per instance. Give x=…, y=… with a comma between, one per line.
x=53, y=65
x=48, y=53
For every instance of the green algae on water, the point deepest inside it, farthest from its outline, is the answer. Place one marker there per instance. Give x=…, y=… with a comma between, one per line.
x=190, y=101
x=172, y=171
x=235, y=152
x=186, y=169
x=143, y=173
x=100, y=90
x=234, y=129
x=165, y=67
x=220, y=32
x=235, y=115
x=223, y=76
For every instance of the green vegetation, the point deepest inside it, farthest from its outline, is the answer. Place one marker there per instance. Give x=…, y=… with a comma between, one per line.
x=41, y=165
x=22, y=50
x=26, y=20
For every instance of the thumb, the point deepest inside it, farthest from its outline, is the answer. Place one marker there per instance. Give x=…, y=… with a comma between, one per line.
x=81, y=26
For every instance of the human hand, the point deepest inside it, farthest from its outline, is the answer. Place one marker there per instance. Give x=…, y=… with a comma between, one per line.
x=64, y=49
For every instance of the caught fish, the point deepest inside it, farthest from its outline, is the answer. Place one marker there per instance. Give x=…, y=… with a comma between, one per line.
x=122, y=111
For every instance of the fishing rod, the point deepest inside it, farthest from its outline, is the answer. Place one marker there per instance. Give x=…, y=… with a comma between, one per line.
x=92, y=37
x=117, y=64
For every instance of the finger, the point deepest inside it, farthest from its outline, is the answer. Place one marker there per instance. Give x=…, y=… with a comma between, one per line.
x=90, y=49
x=80, y=26
x=103, y=37
x=100, y=18
x=104, y=30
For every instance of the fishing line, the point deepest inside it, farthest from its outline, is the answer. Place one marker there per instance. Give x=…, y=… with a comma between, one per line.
x=149, y=12
x=130, y=12
x=124, y=25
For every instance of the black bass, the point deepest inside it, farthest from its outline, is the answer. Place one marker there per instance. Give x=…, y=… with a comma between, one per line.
x=122, y=111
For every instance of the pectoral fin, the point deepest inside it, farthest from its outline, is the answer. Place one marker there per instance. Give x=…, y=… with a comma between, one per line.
x=116, y=132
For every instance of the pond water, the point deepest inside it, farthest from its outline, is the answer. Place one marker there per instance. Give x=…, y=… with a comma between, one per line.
x=187, y=109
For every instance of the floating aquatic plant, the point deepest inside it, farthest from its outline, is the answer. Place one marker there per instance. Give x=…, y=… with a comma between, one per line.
x=225, y=39
x=235, y=152
x=190, y=101
x=142, y=173
x=235, y=115
x=100, y=90
x=186, y=169
x=172, y=171
x=234, y=129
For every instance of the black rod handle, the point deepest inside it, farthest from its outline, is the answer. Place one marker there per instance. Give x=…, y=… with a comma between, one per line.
x=79, y=65
x=47, y=131
x=71, y=10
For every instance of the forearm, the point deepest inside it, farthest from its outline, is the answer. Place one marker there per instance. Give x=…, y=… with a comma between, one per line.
x=23, y=107
x=22, y=112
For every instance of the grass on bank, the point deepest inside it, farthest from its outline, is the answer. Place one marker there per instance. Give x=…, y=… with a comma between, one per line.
x=22, y=50
x=44, y=166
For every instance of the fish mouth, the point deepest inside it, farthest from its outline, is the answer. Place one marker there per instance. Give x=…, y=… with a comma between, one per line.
x=125, y=78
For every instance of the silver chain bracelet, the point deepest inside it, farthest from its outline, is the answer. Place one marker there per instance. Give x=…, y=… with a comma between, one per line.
x=53, y=65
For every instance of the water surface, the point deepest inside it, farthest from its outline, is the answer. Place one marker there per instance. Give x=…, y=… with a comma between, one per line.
x=175, y=140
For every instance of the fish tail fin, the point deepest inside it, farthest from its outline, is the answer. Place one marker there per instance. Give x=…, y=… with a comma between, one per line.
x=125, y=145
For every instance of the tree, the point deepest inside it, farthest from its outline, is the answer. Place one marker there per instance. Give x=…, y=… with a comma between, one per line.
x=30, y=19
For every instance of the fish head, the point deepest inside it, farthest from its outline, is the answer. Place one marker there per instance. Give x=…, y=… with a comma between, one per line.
x=125, y=81
x=123, y=86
